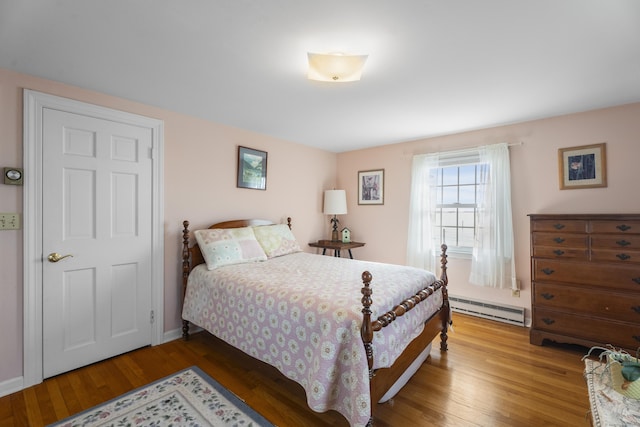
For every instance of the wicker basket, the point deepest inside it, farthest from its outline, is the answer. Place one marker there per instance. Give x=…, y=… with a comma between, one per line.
x=629, y=389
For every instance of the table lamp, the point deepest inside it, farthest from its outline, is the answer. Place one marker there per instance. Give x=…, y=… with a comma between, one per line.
x=335, y=203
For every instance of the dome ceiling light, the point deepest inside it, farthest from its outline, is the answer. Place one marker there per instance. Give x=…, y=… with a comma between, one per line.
x=335, y=67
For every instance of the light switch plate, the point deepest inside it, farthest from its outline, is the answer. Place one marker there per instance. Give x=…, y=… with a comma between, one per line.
x=9, y=221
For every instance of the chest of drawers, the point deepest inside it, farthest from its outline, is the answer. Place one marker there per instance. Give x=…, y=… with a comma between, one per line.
x=585, y=272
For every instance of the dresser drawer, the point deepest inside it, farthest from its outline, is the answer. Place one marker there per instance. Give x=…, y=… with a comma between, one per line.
x=606, y=276
x=620, y=255
x=615, y=306
x=619, y=334
x=560, y=240
x=612, y=241
x=624, y=227
x=550, y=252
x=560, y=225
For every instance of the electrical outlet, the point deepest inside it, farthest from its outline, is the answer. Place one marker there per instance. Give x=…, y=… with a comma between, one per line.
x=9, y=221
x=516, y=292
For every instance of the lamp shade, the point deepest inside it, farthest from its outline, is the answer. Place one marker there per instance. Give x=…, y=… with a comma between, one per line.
x=335, y=67
x=335, y=202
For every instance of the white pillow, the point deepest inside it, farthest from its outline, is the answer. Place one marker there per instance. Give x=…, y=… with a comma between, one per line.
x=225, y=246
x=276, y=240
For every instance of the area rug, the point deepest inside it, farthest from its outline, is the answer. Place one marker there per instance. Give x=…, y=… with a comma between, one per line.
x=187, y=398
x=608, y=407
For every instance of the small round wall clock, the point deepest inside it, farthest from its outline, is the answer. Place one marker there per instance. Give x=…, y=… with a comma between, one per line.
x=13, y=176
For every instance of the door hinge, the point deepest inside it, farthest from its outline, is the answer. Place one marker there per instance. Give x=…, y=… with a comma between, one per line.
x=152, y=318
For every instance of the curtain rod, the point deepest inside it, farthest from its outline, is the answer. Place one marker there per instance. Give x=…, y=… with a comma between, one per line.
x=468, y=147
x=510, y=144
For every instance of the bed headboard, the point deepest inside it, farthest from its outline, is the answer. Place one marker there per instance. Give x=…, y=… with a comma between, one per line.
x=192, y=256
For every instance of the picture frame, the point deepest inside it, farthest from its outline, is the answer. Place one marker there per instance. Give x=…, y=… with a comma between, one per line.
x=582, y=167
x=371, y=187
x=252, y=168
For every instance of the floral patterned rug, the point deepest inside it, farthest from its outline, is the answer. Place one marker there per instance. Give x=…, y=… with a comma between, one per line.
x=608, y=407
x=187, y=398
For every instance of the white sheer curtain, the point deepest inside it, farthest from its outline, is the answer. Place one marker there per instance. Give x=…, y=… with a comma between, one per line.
x=492, y=262
x=423, y=245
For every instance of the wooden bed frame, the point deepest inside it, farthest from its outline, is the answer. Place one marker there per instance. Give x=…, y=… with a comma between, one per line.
x=381, y=380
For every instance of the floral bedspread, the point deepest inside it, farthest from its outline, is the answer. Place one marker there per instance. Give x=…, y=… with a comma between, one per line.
x=302, y=314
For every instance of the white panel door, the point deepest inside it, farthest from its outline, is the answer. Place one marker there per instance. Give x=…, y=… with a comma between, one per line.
x=96, y=239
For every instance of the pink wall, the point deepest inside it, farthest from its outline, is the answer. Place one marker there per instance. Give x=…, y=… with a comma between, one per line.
x=534, y=171
x=200, y=185
x=297, y=175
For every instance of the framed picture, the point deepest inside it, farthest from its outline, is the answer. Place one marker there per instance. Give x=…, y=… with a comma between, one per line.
x=583, y=167
x=252, y=168
x=371, y=187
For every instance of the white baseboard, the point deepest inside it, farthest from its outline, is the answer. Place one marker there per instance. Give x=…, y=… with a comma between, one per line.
x=11, y=386
x=172, y=335
x=17, y=384
x=177, y=333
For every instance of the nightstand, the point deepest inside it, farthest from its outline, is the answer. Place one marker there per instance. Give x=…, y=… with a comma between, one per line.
x=336, y=246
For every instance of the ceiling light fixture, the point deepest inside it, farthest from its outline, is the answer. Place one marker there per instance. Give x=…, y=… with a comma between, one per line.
x=335, y=67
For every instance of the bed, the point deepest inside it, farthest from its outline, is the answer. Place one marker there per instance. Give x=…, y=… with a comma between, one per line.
x=324, y=322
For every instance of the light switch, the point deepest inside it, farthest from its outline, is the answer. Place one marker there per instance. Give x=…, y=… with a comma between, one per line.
x=9, y=221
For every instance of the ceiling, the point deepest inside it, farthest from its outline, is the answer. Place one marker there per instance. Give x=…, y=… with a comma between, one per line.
x=435, y=67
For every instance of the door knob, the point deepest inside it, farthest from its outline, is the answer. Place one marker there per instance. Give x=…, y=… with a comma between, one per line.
x=55, y=257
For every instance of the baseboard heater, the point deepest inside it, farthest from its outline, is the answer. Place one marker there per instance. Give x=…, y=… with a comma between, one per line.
x=488, y=310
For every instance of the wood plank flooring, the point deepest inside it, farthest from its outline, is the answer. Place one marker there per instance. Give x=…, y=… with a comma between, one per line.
x=491, y=376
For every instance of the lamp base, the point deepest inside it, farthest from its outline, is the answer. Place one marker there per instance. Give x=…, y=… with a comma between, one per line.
x=334, y=233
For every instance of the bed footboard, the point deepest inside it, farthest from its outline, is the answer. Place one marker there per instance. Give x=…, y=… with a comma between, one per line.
x=369, y=326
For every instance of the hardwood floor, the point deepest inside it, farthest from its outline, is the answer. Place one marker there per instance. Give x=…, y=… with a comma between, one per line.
x=491, y=376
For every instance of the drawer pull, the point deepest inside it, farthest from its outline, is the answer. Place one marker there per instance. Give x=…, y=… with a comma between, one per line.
x=558, y=226
x=623, y=243
x=548, y=321
x=636, y=337
x=636, y=308
x=637, y=280
x=623, y=257
x=549, y=296
x=623, y=227
x=549, y=272
x=558, y=240
x=558, y=252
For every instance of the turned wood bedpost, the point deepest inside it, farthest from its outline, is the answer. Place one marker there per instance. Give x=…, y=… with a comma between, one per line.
x=445, y=313
x=186, y=268
x=289, y=222
x=367, y=328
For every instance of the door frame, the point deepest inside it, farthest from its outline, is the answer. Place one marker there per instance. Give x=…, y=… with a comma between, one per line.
x=34, y=104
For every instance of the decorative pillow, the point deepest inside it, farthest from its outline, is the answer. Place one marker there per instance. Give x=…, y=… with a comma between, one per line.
x=276, y=240
x=224, y=246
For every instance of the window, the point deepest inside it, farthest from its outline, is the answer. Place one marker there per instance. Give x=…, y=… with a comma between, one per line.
x=464, y=197
x=457, y=192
